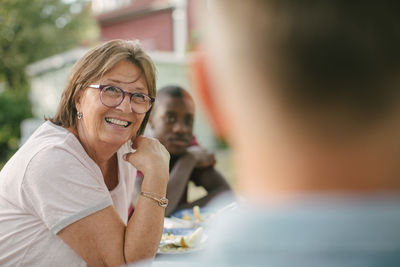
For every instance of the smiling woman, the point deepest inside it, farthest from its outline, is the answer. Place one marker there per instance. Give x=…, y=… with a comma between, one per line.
x=64, y=196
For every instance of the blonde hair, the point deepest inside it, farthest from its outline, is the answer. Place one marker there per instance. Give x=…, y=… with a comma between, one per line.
x=92, y=66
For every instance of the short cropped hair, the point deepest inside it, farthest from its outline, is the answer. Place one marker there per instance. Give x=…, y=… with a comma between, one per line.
x=323, y=54
x=172, y=90
x=175, y=91
x=92, y=66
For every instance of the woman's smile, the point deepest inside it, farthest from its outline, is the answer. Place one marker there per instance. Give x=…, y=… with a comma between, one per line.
x=118, y=122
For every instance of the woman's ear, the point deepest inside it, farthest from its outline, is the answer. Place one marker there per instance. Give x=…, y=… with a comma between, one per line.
x=204, y=89
x=77, y=100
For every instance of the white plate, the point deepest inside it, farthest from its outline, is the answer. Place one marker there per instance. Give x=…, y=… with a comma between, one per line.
x=173, y=222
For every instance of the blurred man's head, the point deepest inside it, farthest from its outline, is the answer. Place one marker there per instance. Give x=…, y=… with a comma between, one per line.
x=172, y=119
x=312, y=88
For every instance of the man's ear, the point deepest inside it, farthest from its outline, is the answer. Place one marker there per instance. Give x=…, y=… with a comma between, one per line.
x=204, y=89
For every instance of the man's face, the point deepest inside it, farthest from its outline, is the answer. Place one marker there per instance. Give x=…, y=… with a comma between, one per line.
x=172, y=123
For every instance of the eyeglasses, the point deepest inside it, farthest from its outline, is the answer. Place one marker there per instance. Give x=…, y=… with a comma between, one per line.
x=112, y=97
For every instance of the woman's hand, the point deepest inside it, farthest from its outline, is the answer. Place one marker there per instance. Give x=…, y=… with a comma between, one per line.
x=202, y=156
x=152, y=159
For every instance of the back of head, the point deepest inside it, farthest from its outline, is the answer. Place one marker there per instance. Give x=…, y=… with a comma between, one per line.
x=325, y=56
x=311, y=91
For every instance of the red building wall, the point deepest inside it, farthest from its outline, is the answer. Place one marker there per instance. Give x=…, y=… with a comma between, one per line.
x=155, y=30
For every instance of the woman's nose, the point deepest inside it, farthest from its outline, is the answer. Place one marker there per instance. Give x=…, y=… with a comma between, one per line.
x=125, y=105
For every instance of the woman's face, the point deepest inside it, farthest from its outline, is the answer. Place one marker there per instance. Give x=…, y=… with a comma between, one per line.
x=102, y=125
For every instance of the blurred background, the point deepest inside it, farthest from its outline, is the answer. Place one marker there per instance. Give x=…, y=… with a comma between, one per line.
x=40, y=40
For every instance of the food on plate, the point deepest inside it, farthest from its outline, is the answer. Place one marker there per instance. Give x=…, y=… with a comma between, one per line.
x=193, y=239
x=196, y=213
x=187, y=217
x=175, y=243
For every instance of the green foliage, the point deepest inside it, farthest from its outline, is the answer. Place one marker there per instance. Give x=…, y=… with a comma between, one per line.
x=31, y=30
x=14, y=107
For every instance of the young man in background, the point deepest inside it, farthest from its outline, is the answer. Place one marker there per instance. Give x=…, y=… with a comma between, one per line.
x=171, y=122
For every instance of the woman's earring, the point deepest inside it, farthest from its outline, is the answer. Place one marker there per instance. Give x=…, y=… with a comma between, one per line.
x=79, y=115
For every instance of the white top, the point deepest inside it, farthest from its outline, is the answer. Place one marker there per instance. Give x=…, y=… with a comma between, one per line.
x=47, y=185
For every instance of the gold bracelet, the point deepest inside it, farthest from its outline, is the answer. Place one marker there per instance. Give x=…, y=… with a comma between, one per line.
x=162, y=201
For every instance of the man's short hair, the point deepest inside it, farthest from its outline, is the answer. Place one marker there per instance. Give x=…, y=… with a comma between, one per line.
x=332, y=54
x=172, y=90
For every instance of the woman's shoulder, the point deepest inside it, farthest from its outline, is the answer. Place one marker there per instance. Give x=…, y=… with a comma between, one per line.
x=49, y=151
x=61, y=157
x=50, y=138
x=51, y=146
x=45, y=136
x=51, y=132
